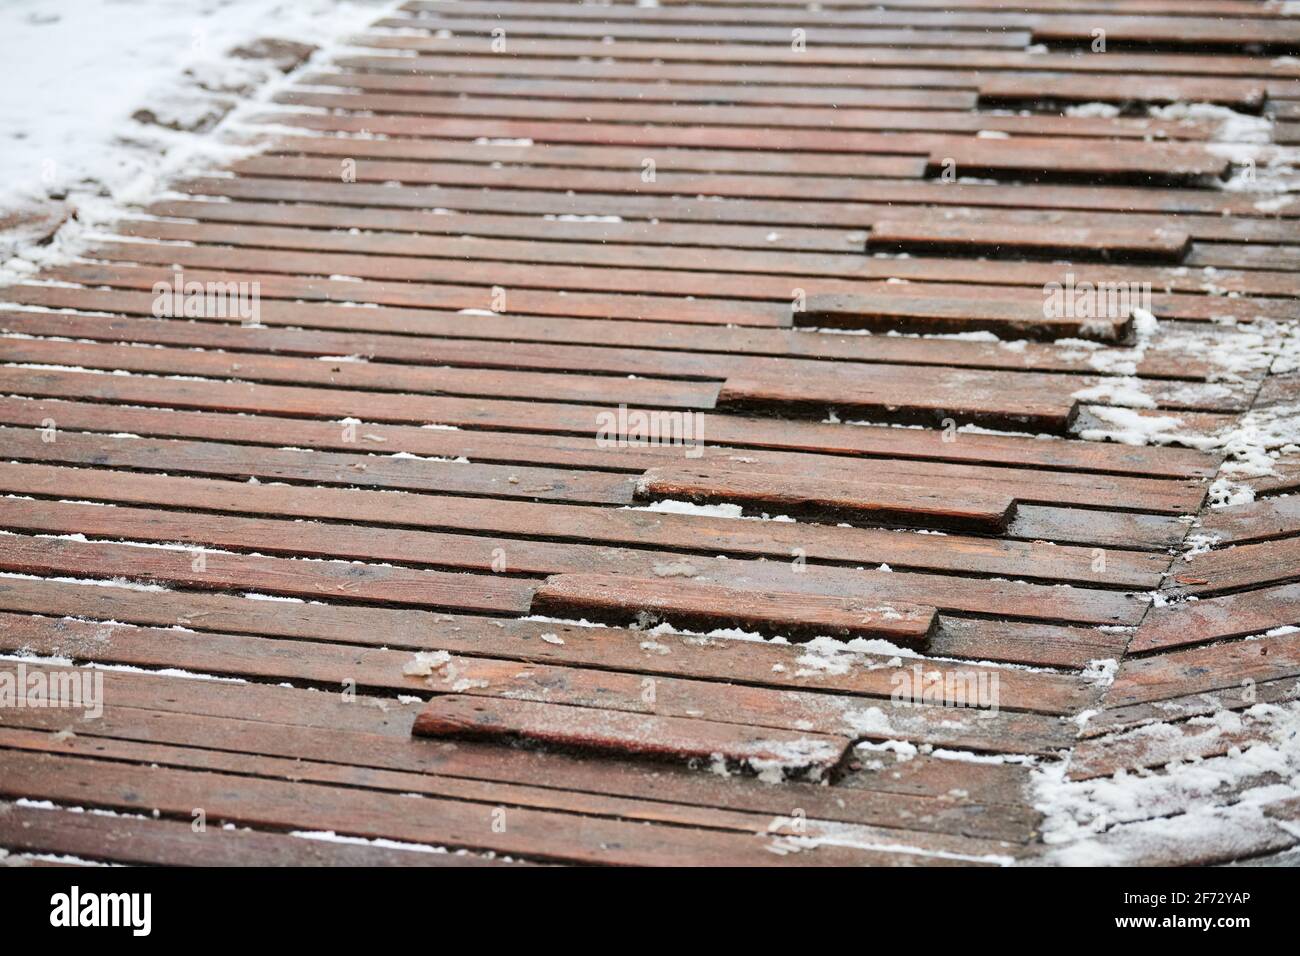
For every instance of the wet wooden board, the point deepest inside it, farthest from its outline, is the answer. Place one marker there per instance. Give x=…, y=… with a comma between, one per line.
x=283, y=804
x=1260, y=520
x=676, y=598
x=889, y=98
x=1239, y=566
x=860, y=502
x=1013, y=88
x=652, y=244
x=1232, y=615
x=1012, y=318
x=977, y=238
x=1009, y=832
x=1239, y=665
x=680, y=739
x=623, y=695
x=138, y=840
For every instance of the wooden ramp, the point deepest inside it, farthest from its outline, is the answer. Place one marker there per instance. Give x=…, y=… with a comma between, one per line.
x=717, y=432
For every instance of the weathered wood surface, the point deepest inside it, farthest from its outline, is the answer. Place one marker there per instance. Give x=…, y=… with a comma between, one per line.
x=645, y=420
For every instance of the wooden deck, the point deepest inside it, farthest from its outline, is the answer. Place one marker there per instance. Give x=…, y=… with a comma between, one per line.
x=339, y=568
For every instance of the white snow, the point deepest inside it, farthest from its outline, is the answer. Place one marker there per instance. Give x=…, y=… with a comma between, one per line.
x=1121, y=819
x=77, y=72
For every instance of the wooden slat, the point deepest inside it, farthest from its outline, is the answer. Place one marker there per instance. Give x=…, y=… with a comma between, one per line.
x=849, y=311
x=1113, y=720
x=973, y=238
x=1239, y=566
x=832, y=500
x=1259, y=520
x=870, y=36
x=139, y=840
x=877, y=98
x=1233, y=615
x=677, y=738
x=1021, y=88
x=482, y=553
x=1201, y=212
x=1238, y=665
x=691, y=604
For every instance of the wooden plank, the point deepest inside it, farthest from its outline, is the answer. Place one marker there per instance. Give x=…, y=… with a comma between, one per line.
x=666, y=181
x=976, y=238
x=602, y=730
x=815, y=497
x=1259, y=520
x=347, y=371
x=787, y=251
x=1021, y=88
x=281, y=576
x=522, y=277
x=1158, y=745
x=1115, y=529
x=1201, y=704
x=484, y=592
x=468, y=353
x=872, y=35
x=545, y=835
x=1122, y=530
x=950, y=58
x=915, y=61
x=1192, y=32
x=371, y=470
x=143, y=841
x=1209, y=619
x=1238, y=665
x=1238, y=567
x=688, y=603
x=963, y=14
x=1165, y=164
x=879, y=97
x=630, y=344
x=482, y=553
x=1017, y=402
x=881, y=313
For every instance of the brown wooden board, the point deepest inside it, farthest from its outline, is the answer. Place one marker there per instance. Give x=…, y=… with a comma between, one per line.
x=684, y=601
